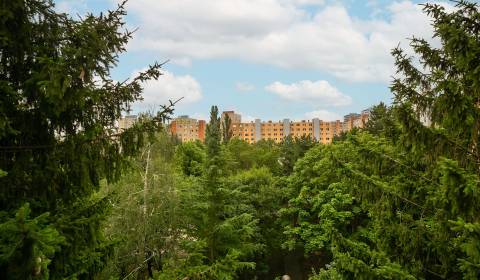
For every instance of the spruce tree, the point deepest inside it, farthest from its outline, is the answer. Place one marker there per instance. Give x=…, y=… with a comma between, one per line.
x=402, y=205
x=58, y=108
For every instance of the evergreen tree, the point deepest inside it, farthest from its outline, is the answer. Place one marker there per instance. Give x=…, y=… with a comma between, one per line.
x=382, y=121
x=219, y=233
x=58, y=108
x=402, y=205
x=227, y=129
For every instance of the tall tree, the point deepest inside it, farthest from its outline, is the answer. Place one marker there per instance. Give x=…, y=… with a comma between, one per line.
x=58, y=108
x=382, y=121
x=227, y=129
x=220, y=233
x=403, y=205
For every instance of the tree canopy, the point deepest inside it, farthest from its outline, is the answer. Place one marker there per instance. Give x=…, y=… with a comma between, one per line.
x=58, y=108
x=398, y=199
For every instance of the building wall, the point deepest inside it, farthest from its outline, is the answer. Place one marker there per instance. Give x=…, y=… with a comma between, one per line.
x=277, y=131
x=126, y=122
x=235, y=118
x=244, y=131
x=354, y=120
x=188, y=129
x=201, y=130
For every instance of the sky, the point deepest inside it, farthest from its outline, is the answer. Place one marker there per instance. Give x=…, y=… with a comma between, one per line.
x=267, y=59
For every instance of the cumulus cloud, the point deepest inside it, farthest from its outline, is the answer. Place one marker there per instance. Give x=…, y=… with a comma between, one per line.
x=244, y=87
x=280, y=33
x=170, y=87
x=323, y=115
x=246, y=118
x=319, y=93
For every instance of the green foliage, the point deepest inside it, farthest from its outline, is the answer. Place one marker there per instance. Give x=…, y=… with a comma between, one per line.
x=261, y=154
x=58, y=108
x=227, y=129
x=401, y=203
x=399, y=199
x=293, y=148
x=446, y=94
x=146, y=213
x=29, y=243
x=190, y=157
x=218, y=233
x=213, y=134
x=382, y=122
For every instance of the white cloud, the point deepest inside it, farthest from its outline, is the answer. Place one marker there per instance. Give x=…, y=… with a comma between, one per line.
x=170, y=87
x=280, y=32
x=244, y=87
x=307, y=2
x=319, y=93
x=71, y=7
x=323, y=115
x=200, y=116
x=247, y=118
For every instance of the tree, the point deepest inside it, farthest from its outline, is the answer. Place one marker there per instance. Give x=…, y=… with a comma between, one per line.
x=382, y=121
x=219, y=233
x=227, y=129
x=190, y=158
x=146, y=215
x=58, y=108
x=438, y=104
x=293, y=148
x=402, y=205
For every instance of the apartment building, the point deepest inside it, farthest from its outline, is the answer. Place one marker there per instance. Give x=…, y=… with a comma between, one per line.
x=354, y=120
x=126, y=122
x=188, y=129
x=276, y=131
x=235, y=118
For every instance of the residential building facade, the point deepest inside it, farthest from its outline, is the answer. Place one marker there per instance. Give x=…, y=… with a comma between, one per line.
x=188, y=129
x=255, y=131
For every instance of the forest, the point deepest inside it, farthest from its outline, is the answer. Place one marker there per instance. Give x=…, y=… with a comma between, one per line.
x=399, y=199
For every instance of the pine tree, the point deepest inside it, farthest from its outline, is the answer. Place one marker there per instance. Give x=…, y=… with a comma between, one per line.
x=58, y=108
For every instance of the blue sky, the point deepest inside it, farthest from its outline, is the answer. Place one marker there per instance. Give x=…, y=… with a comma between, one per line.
x=268, y=59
